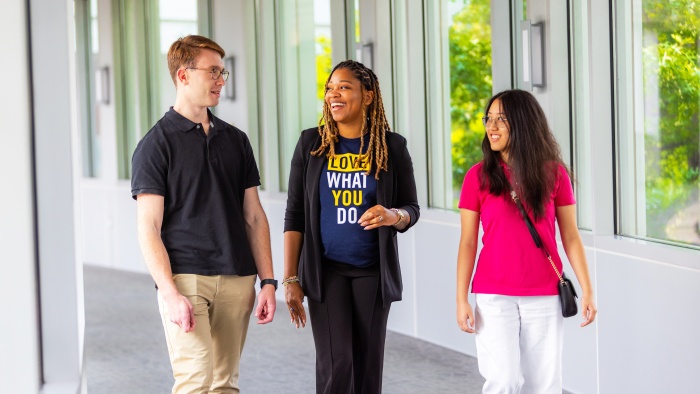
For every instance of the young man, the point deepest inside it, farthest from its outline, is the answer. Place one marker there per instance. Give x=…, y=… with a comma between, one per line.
x=201, y=227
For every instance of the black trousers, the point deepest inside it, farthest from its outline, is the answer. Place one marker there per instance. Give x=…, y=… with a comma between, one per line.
x=349, y=330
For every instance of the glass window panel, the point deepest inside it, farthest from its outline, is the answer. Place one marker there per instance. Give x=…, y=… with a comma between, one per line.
x=581, y=114
x=322, y=54
x=357, y=22
x=87, y=61
x=171, y=31
x=658, y=99
x=304, y=44
x=460, y=85
x=143, y=86
x=470, y=84
x=94, y=35
x=182, y=10
x=322, y=13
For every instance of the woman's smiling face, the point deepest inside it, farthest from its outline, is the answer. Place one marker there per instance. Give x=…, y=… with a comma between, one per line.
x=497, y=130
x=345, y=98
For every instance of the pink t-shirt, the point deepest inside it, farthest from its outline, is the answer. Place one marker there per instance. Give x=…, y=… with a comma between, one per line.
x=509, y=262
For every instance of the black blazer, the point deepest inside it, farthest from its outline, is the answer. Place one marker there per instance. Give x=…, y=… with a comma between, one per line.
x=396, y=188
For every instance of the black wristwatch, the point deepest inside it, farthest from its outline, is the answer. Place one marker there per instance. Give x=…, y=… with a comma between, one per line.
x=268, y=282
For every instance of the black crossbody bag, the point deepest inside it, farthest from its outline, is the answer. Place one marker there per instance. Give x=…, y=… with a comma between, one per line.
x=567, y=293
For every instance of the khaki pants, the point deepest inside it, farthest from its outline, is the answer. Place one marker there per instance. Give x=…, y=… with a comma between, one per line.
x=206, y=360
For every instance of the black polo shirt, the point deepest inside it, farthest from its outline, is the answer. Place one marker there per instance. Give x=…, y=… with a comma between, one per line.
x=203, y=179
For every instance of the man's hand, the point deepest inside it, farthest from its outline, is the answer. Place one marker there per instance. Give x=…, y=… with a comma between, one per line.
x=265, y=311
x=180, y=311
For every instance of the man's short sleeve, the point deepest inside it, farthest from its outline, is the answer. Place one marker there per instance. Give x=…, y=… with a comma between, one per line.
x=252, y=176
x=148, y=169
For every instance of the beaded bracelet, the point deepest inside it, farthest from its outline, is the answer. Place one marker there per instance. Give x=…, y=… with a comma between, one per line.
x=291, y=279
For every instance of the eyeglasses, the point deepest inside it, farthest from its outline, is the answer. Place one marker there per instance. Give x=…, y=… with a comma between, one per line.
x=215, y=73
x=500, y=121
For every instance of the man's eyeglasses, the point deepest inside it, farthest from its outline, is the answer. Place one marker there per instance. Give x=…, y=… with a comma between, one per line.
x=215, y=73
x=500, y=121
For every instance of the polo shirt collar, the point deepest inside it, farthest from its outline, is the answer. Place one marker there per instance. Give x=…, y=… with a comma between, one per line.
x=185, y=125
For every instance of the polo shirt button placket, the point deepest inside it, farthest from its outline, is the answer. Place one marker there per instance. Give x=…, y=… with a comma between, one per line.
x=211, y=151
x=206, y=143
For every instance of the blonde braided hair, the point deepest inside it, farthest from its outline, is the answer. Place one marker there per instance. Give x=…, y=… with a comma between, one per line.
x=377, y=151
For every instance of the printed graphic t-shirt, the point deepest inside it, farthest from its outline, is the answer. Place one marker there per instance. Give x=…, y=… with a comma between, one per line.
x=345, y=193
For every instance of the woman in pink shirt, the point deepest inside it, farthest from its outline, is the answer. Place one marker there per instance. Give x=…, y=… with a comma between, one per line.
x=517, y=316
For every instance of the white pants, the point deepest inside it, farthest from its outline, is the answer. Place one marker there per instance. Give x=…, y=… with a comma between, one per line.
x=519, y=343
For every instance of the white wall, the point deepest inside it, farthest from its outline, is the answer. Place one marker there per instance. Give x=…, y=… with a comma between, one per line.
x=643, y=340
x=19, y=346
x=41, y=349
x=56, y=167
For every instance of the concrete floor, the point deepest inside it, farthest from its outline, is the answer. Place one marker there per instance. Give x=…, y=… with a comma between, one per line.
x=126, y=353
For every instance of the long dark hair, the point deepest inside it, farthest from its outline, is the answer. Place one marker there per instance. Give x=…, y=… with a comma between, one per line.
x=533, y=153
x=374, y=119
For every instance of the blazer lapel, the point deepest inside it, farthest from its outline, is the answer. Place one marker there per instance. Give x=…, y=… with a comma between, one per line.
x=386, y=183
x=313, y=178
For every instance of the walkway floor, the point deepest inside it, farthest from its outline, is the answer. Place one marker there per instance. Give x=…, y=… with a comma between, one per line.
x=126, y=353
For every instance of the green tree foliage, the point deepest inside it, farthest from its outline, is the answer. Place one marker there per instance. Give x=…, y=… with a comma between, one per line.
x=672, y=58
x=323, y=67
x=470, y=83
x=323, y=64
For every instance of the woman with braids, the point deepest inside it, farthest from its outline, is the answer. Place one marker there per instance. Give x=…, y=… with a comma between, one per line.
x=517, y=316
x=351, y=189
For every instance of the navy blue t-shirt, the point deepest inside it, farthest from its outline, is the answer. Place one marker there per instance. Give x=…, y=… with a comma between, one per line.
x=346, y=192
